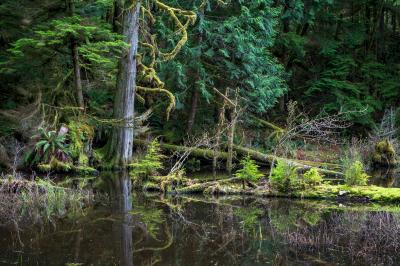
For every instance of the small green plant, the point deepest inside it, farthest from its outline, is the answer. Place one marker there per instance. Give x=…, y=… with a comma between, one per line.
x=249, y=171
x=79, y=134
x=312, y=177
x=150, y=164
x=50, y=145
x=354, y=175
x=284, y=177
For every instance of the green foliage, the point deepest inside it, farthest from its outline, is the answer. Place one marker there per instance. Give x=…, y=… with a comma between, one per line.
x=55, y=165
x=150, y=164
x=355, y=175
x=151, y=218
x=284, y=177
x=312, y=177
x=52, y=201
x=249, y=170
x=50, y=145
x=228, y=47
x=96, y=41
x=249, y=218
x=78, y=135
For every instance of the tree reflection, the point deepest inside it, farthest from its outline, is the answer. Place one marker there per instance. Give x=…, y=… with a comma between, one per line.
x=123, y=206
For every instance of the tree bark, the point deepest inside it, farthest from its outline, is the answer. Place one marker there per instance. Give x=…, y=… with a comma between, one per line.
x=231, y=134
x=193, y=110
x=75, y=61
x=121, y=144
x=196, y=92
x=221, y=122
x=77, y=73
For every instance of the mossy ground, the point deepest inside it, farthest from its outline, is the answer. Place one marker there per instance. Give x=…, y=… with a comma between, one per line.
x=323, y=191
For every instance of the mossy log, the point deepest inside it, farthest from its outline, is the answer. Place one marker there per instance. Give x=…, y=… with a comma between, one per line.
x=201, y=187
x=323, y=191
x=268, y=158
x=196, y=152
x=255, y=155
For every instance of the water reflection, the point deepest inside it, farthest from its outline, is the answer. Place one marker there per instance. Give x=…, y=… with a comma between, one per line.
x=122, y=202
x=386, y=177
x=150, y=229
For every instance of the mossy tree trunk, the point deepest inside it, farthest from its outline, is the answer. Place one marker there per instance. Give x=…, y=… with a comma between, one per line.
x=231, y=134
x=221, y=122
x=121, y=143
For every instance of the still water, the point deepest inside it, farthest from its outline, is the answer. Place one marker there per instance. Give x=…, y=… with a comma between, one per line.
x=148, y=229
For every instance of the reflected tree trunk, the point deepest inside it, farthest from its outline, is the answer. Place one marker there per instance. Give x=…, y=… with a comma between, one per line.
x=123, y=227
x=121, y=144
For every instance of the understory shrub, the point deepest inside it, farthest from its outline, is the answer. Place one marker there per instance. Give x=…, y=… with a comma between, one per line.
x=284, y=177
x=312, y=177
x=50, y=146
x=150, y=164
x=249, y=171
x=355, y=175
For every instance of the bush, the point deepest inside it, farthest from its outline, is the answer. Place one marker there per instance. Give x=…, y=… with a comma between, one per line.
x=284, y=177
x=249, y=171
x=150, y=164
x=312, y=177
x=355, y=175
x=50, y=146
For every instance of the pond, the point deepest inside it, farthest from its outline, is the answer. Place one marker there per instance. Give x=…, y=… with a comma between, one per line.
x=150, y=229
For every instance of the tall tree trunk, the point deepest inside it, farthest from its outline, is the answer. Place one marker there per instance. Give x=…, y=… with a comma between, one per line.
x=121, y=144
x=381, y=42
x=394, y=22
x=196, y=92
x=367, y=26
x=75, y=60
x=193, y=110
x=231, y=134
x=221, y=122
x=77, y=73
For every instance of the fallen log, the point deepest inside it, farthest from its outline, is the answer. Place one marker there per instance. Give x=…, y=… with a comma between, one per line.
x=268, y=158
x=196, y=152
x=243, y=151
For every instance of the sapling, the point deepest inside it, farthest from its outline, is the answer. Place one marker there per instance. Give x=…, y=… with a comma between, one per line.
x=249, y=171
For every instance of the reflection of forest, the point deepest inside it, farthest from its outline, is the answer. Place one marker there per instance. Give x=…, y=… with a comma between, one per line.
x=386, y=177
x=151, y=229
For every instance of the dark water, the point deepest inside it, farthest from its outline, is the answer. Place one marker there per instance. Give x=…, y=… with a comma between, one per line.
x=139, y=229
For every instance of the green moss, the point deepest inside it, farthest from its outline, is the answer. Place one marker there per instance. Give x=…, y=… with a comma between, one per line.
x=85, y=170
x=79, y=133
x=322, y=191
x=44, y=167
x=151, y=186
x=62, y=167
x=384, y=153
x=372, y=193
x=59, y=166
x=83, y=159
